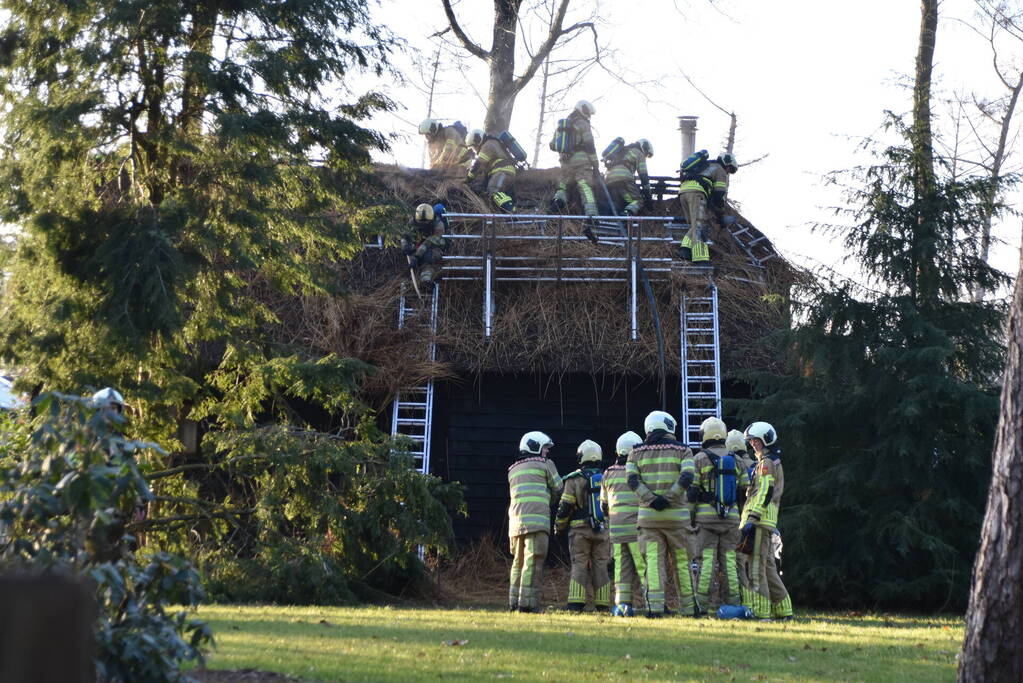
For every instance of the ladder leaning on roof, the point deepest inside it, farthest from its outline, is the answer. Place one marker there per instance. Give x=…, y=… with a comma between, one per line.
x=412, y=412
x=701, y=364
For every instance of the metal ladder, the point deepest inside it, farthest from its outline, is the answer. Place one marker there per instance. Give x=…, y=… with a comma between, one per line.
x=701, y=364
x=412, y=412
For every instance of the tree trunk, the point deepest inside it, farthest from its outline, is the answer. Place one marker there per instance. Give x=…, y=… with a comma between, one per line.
x=994, y=620
x=503, y=89
x=543, y=111
x=922, y=285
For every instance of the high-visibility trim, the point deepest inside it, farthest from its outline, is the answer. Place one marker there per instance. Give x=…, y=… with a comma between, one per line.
x=783, y=608
x=602, y=596
x=531, y=499
x=706, y=571
x=527, y=518
x=576, y=592
x=731, y=573
x=654, y=590
x=529, y=472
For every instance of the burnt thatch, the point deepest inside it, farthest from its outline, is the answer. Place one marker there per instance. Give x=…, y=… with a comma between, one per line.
x=538, y=326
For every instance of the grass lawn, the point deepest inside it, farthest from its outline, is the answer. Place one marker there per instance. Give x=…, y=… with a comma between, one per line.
x=411, y=644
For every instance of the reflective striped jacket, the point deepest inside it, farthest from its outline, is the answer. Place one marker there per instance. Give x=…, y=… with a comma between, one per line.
x=492, y=158
x=705, y=479
x=628, y=164
x=531, y=482
x=574, y=508
x=657, y=465
x=712, y=180
x=621, y=504
x=584, y=148
x=765, y=492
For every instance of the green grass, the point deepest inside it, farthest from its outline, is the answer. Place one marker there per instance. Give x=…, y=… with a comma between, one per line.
x=403, y=644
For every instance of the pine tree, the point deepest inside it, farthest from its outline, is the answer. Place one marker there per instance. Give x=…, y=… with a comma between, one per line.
x=177, y=170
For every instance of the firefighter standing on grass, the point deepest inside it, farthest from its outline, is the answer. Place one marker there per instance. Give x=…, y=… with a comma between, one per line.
x=621, y=509
x=588, y=543
x=763, y=589
x=708, y=186
x=718, y=477
x=735, y=444
x=532, y=480
x=660, y=470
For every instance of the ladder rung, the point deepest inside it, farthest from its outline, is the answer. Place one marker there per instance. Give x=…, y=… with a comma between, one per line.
x=702, y=411
x=412, y=421
x=702, y=346
x=701, y=378
x=710, y=395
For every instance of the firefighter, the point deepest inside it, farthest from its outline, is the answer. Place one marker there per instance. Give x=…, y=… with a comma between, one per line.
x=621, y=509
x=715, y=492
x=588, y=542
x=532, y=480
x=660, y=470
x=424, y=243
x=763, y=589
x=708, y=187
x=493, y=171
x=735, y=444
x=446, y=145
x=579, y=164
x=620, y=177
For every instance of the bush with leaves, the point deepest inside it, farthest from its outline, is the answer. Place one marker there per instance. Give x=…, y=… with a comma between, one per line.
x=321, y=519
x=67, y=488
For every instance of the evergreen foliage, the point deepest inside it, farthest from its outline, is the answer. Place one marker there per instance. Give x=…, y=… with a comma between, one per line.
x=887, y=410
x=177, y=171
x=67, y=488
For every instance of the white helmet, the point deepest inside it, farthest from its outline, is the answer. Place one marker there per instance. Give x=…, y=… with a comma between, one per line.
x=735, y=442
x=585, y=108
x=424, y=213
x=430, y=127
x=763, y=431
x=712, y=429
x=534, y=443
x=589, y=451
x=727, y=159
x=108, y=398
x=476, y=138
x=645, y=147
x=659, y=420
x=626, y=442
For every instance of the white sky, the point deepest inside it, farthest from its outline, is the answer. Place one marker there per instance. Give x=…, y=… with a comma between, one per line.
x=807, y=79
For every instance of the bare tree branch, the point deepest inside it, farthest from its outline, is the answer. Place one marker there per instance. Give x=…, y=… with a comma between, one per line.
x=467, y=43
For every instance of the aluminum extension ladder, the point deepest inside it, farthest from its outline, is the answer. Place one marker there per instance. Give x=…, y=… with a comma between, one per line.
x=412, y=412
x=701, y=363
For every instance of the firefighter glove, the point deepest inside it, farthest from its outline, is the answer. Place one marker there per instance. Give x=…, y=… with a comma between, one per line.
x=659, y=503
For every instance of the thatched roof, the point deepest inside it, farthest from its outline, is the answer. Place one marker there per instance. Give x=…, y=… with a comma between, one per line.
x=555, y=327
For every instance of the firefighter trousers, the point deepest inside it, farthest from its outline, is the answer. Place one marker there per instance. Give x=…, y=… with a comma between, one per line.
x=529, y=551
x=762, y=587
x=694, y=208
x=657, y=546
x=501, y=187
x=629, y=566
x=717, y=541
x=590, y=551
x=626, y=197
x=579, y=171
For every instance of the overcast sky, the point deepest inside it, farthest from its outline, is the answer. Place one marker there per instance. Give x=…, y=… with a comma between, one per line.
x=808, y=80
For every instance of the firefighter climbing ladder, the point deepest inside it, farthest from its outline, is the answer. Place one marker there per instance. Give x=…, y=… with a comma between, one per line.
x=412, y=413
x=701, y=365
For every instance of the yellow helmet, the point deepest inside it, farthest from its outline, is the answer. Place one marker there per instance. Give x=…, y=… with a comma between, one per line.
x=589, y=451
x=712, y=429
x=424, y=213
x=626, y=442
x=735, y=442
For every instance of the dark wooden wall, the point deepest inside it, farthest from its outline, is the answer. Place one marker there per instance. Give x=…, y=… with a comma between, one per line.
x=477, y=425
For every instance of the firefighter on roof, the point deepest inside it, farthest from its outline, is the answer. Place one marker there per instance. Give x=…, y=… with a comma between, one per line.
x=715, y=492
x=532, y=480
x=446, y=145
x=493, y=171
x=621, y=509
x=660, y=470
x=763, y=589
x=622, y=167
x=573, y=140
x=704, y=184
x=424, y=244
